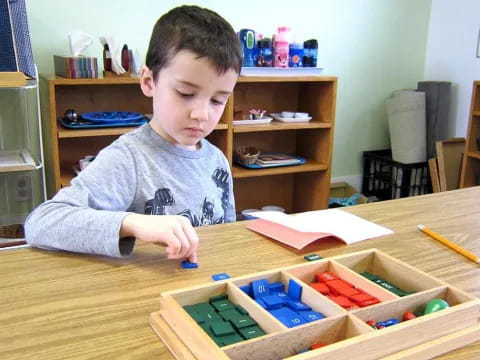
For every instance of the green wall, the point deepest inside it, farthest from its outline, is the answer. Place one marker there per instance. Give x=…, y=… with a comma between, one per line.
x=373, y=46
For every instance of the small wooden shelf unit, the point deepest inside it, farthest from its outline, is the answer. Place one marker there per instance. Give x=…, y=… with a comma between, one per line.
x=470, y=174
x=345, y=332
x=295, y=188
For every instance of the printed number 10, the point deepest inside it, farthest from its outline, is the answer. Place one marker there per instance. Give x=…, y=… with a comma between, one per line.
x=261, y=288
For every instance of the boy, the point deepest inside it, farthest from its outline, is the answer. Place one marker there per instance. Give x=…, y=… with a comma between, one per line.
x=157, y=182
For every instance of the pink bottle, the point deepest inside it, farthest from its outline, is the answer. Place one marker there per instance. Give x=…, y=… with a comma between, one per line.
x=280, y=47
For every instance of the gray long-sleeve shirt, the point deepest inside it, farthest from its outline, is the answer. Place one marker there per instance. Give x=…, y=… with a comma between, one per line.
x=142, y=173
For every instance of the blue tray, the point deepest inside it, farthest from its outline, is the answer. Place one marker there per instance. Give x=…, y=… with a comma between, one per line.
x=111, y=116
x=91, y=125
x=300, y=159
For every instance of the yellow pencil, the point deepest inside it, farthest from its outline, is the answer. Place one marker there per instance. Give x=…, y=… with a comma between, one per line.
x=448, y=243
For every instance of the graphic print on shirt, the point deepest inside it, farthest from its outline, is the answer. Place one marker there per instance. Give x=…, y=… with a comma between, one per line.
x=164, y=197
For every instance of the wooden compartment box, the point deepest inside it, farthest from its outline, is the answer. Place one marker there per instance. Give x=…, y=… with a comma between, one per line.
x=346, y=333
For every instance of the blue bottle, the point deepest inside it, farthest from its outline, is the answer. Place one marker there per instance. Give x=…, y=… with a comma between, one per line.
x=247, y=39
x=295, y=55
x=264, y=56
x=310, y=53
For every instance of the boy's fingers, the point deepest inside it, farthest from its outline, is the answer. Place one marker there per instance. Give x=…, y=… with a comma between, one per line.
x=174, y=246
x=192, y=238
x=184, y=250
x=193, y=258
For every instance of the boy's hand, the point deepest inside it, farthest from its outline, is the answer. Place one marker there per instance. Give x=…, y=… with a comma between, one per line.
x=173, y=231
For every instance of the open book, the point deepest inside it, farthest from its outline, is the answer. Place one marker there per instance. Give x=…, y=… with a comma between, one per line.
x=301, y=229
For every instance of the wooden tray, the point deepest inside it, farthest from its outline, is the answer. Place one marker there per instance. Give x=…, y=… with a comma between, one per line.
x=345, y=331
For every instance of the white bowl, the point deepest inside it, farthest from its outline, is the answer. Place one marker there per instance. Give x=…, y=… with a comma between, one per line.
x=287, y=114
x=246, y=214
x=273, y=208
x=301, y=115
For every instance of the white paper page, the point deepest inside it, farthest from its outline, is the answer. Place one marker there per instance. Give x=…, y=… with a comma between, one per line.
x=349, y=227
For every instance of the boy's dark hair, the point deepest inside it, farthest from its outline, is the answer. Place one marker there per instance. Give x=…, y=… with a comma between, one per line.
x=199, y=30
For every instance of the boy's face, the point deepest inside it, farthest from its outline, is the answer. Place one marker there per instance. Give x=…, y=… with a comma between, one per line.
x=189, y=97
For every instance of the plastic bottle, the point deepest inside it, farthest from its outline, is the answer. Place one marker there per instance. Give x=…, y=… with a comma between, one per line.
x=295, y=55
x=264, y=53
x=247, y=39
x=280, y=47
x=107, y=58
x=310, y=53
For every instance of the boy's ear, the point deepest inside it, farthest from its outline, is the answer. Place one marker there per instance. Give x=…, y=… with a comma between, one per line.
x=146, y=81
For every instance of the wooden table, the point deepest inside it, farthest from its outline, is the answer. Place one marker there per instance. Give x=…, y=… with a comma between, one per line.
x=60, y=305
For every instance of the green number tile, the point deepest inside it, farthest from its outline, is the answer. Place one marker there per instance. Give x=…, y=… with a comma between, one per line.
x=251, y=332
x=222, y=305
x=229, y=314
x=312, y=257
x=241, y=310
x=220, y=328
x=243, y=322
x=218, y=298
x=229, y=339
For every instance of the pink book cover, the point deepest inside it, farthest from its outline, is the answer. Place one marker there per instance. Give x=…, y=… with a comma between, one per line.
x=300, y=230
x=286, y=235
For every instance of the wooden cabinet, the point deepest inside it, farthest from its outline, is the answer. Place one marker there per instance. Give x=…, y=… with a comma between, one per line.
x=470, y=175
x=295, y=188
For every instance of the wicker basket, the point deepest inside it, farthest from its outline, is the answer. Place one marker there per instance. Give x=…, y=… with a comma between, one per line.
x=13, y=231
x=247, y=155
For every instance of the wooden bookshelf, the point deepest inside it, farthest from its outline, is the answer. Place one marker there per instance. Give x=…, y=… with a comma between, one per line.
x=287, y=186
x=470, y=174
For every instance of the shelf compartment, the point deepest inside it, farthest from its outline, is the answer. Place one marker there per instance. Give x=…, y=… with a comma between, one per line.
x=256, y=192
x=66, y=176
x=474, y=154
x=315, y=97
x=471, y=171
x=241, y=172
x=101, y=96
x=279, y=126
x=16, y=160
x=81, y=133
x=71, y=150
x=311, y=144
x=115, y=131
